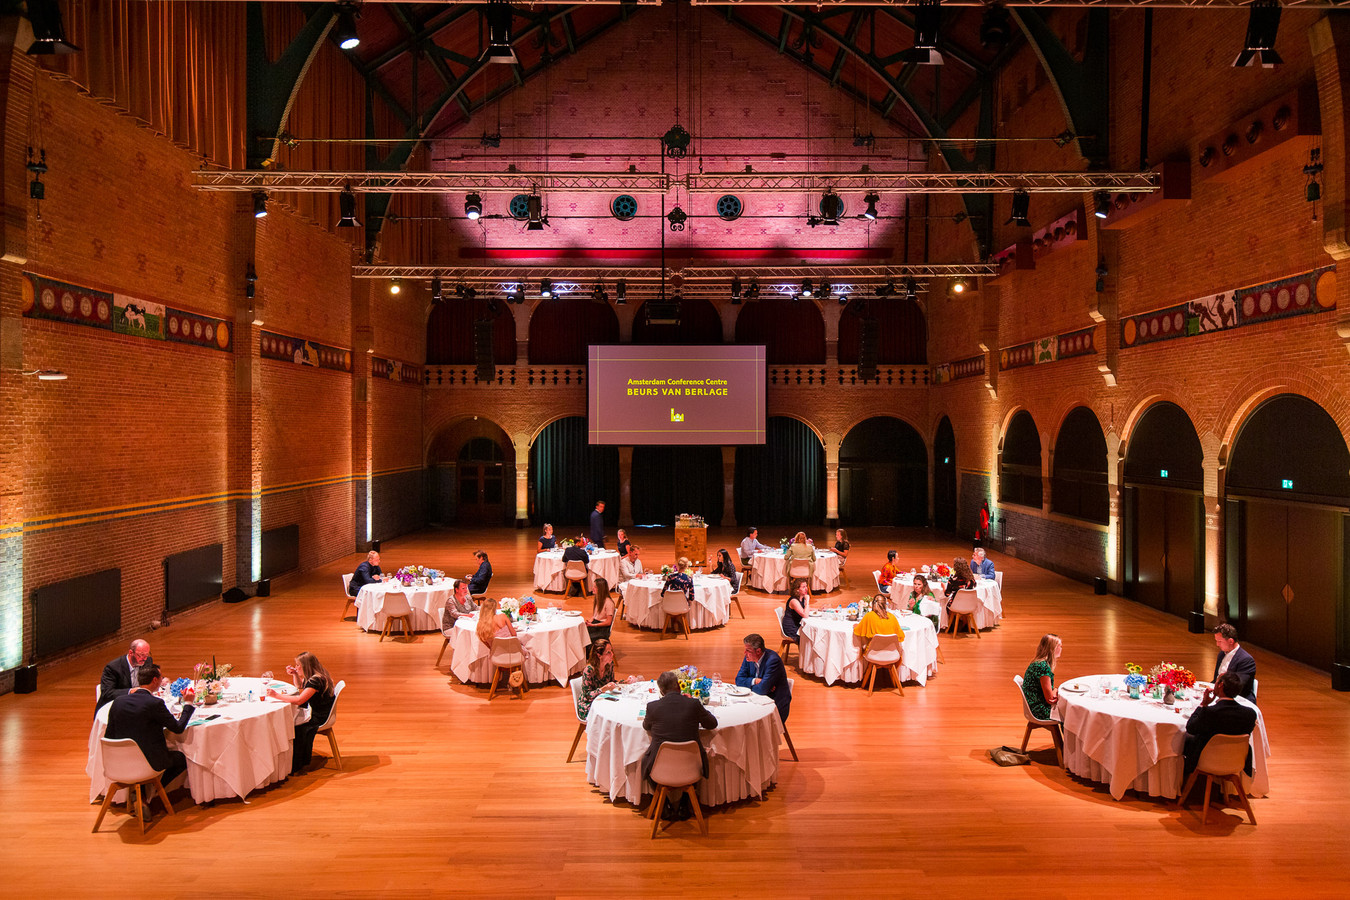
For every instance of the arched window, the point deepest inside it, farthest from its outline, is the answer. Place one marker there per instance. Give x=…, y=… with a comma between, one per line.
x=1019, y=471
x=1078, y=479
x=883, y=474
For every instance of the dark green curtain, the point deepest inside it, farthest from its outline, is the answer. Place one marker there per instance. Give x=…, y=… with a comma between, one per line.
x=568, y=475
x=668, y=481
x=781, y=482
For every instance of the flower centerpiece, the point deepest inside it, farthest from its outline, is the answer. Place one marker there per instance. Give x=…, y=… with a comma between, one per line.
x=510, y=607
x=527, y=607
x=1172, y=678
x=179, y=685
x=567, y=542
x=852, y=612
x=1135, y=680
x=209, y=681
x=942, y=570
x=410, y=575
x=665, y=571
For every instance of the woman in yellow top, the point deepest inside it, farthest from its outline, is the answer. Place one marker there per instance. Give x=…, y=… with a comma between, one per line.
x=800, y=549
x=877, y=621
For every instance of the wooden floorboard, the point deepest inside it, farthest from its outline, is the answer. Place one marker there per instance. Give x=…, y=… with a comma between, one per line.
x=444, y=792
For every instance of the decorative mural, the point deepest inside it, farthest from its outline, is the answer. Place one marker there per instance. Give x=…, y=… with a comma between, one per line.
x=961, y=368
x=1049, y=349
x=1310, y=292
x=304, y=352
x=47, y=298
x=395, y=370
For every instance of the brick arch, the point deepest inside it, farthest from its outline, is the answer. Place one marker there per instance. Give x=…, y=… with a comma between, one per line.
x=1006, y=419
x=1135, y=414
x=453, y=432
x=926, y=437
x=1254, y=390
x=815, y=429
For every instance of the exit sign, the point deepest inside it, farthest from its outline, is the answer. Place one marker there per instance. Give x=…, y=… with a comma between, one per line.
x=1287, y=484
x=1162, y=472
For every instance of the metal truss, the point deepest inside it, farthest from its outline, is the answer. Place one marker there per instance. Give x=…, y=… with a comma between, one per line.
x=659, y=183
x=826, y=4
x=687, y=277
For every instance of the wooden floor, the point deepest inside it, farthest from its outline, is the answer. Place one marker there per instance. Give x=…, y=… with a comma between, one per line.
x=444, y=792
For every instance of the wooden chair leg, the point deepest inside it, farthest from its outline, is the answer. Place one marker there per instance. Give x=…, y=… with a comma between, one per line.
x=140, y=805
x=685, y=620
x=1026, y=737
x=657, y=801
x=492, y=685
x=1209, y=783
x=737, y=601
x=442, y=653
x=343, y=616
x=974, y=626
x=1059, y=745
x=581, y=728
x=164, y=797
x=698, y=810
x=524, y=682
x=1186, y=788
x=791, y=749
x=1242, y=797
x=895, y=673
x=942, y=658
x=107, y=801
x=333, y=745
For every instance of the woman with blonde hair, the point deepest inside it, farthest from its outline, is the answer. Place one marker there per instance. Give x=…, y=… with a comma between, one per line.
x=680, y=579
x=492, y=623
x=1038, y=684
x=316, y=692
x=800, y=549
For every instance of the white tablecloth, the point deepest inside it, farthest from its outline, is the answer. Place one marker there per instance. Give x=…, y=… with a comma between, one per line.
x=711, y=606
x=768, y=571
x=549, y=566
x=742, y=750
x=987, y=591
x=426, y=601
x=555, y=649
x=248, y=747
x=1138, y=744
x=829, y=649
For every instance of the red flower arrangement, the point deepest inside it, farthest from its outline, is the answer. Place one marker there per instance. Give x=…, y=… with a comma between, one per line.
x=528, y=608
x=1170, y=676
x=943, y=570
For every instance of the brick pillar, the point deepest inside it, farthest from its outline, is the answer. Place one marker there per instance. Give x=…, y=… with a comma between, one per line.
x=626, y=487
x=729, y=314
x=521, y=442
x=830, y=313
x=728, y=486
x=1114, y=464
x=16, y=100
x=363, y=461
x=1330, y=40
x=832, y=444
x=245, y=462
x=522, y=313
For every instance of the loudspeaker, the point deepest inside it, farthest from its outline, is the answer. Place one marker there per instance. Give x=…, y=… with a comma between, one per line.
x=1099, y=586
x=25, y=679
x=375, y=545
x=234, y=595
x=265, y=588
x=482, y=350
x=868, y=339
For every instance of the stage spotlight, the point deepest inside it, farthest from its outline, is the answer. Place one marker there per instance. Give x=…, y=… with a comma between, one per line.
x=807, y=289
x=1021, y=205
x=995, y=28
x=546, y=289
x=871, y=211
x=347, y=209
x=1101, y=206
x=752, y=292
x=49, y=35
x=911, y=290
x=736, y=290
x=395, y=285
x=599, y=294
x=437, y=294
x=831, y=208
x=344, y=32
x=499, y=17
x=620, y=293
x=534, y=212
x=1263, y=22
x=959, y=285
x=259, y=204
x=473, y=205
x=927, y=19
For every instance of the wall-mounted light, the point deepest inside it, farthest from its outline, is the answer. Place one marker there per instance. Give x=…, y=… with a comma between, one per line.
x=1313, y=192
x=48, y=374
x=250, y=282
x=38, y=166
x=677, y=217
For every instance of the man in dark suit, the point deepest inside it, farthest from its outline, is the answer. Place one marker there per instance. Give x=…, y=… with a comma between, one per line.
x=478, y=581
x=577, y=553
x=675, y=718
x=143, y=717
x=1232, y=658
x=1223, y=716
x=366, y=573
x=598, y=524
x=981, y=564
x=119, y=676
x=763, y=673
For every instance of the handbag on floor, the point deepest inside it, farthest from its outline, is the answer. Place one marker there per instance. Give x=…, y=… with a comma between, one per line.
x=1009, y=756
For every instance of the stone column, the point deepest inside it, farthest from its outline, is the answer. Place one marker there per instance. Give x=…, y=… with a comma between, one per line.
x=522, y=313
x=625, y=487
x=832, y=444
x=521, y=442
x=728, y=486
x=1113, y=542
x=245, y=462
x=1214, y=543
x=363, y=344
x=830, y=312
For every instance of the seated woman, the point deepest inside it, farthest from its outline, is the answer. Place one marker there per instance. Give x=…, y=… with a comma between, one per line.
x=959, y=580
x=800, y=549
x=493, y=624
x=727, y=569
x=681, y=579
x=316, y=692
x=602, y=614
x=624, y=543
x=878, y=620
x=478, y=581
x=1038, y=684
x=546, y=540
x=798, y=607
x=889, y=571
x=598, y=676
x=920, y=592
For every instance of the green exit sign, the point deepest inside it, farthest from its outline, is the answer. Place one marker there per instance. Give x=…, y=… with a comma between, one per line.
x=1162, y=473
x=1287, y=484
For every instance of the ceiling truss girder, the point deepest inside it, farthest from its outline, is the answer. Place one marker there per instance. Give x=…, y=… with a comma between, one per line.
x=691, y=275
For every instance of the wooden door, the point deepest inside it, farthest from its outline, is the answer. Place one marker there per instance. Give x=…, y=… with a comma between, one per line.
x=1150, y=531
x=1184, y=553
x=482, y=492
x=1314, y=584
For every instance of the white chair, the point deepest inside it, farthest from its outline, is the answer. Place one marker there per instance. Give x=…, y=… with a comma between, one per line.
x=396, y=609
x=575, y=573
x=963, y=608
x=1255, y=685
x=98, y=693
x=446, y=631
x=678, y=766
x=736, y=597
x=507, y=656
x=674, y=607
x=1223, y=759
x=575, y=685
x=998, y=580
x=1033, y=723
x=882, y=652
x=798, y=570
x=346, y=585
x=788, y=737
x=124, y=765
x=788, y=643
x=326, y=729
x=876, y=576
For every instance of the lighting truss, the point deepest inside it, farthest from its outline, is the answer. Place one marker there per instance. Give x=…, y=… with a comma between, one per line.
x=1118, y=4
x=432, y=182
x=925, y=182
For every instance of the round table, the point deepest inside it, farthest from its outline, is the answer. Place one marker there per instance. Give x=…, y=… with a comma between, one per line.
x=829, y=649
x=426, y=601
x=768, y=571
x=248, y=747
x=555, y=649
x=549, y=567
x=742, y=750
x=1138, y=744
x=987, y=613
x=711, y=606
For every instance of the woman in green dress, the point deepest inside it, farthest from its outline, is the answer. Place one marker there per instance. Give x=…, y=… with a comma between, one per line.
x=1038, y=684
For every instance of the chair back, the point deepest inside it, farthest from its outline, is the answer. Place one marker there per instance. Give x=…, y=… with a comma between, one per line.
x=799, y=568
x=332, y=711
x=396, y=604
x=575, y=685
x=124, y=763
x=998, y=580
x=966, y=601
x=1026, y=708
x=98, y=692
x=778, y=614
x=347, y=582
x=677, y=764
x=575, y=570
x=674, y=603
x=482, y=590
x=876, y=576
x=506, y=652
x=883, y=650
x=1224, y=754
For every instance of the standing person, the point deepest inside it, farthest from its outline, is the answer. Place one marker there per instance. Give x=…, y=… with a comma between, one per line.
x=763, y=672
x=119, y=676
x=316, y=692
x=982, y=533
x=841, y=547
x=888, y=572
x=1232, y=658
x=675, y=718
x=366, y=573
x=1038, y=683
x=751, y=545
x=546, y=540
x=981, y=564
x=623, y=544
x=598, y=524
x=478, y=581
x=142, y=716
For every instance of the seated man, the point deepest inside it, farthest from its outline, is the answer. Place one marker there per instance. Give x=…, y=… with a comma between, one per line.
x=981, y=564
x=119, y=676
x=478, y=581
x=1232, y=658
x=1222, y=716
x=889, y=571
x=751, y=545
x=675, y=718
x=763, y=672
x=366, y=573
x=143, y=717
x=459, y=606
x=576, y=552
x=630, y=566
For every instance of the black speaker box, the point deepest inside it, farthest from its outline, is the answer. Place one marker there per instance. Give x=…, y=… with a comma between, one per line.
x=234, y=595
x=265, y=588
x=25, y=679
x=869, y=337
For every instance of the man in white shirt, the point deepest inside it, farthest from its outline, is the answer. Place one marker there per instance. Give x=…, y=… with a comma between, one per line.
x=750, y=545
x=630, y=566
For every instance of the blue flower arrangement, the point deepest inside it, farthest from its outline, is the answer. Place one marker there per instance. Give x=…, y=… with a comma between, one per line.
x=176, y=689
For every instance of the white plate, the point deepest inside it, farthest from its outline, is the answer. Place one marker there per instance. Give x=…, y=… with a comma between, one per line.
x=734, y=690
x=1074, y=688
x=571, y=612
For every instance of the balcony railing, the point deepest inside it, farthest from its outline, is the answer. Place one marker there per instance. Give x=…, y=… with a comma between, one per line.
x=777, y=376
